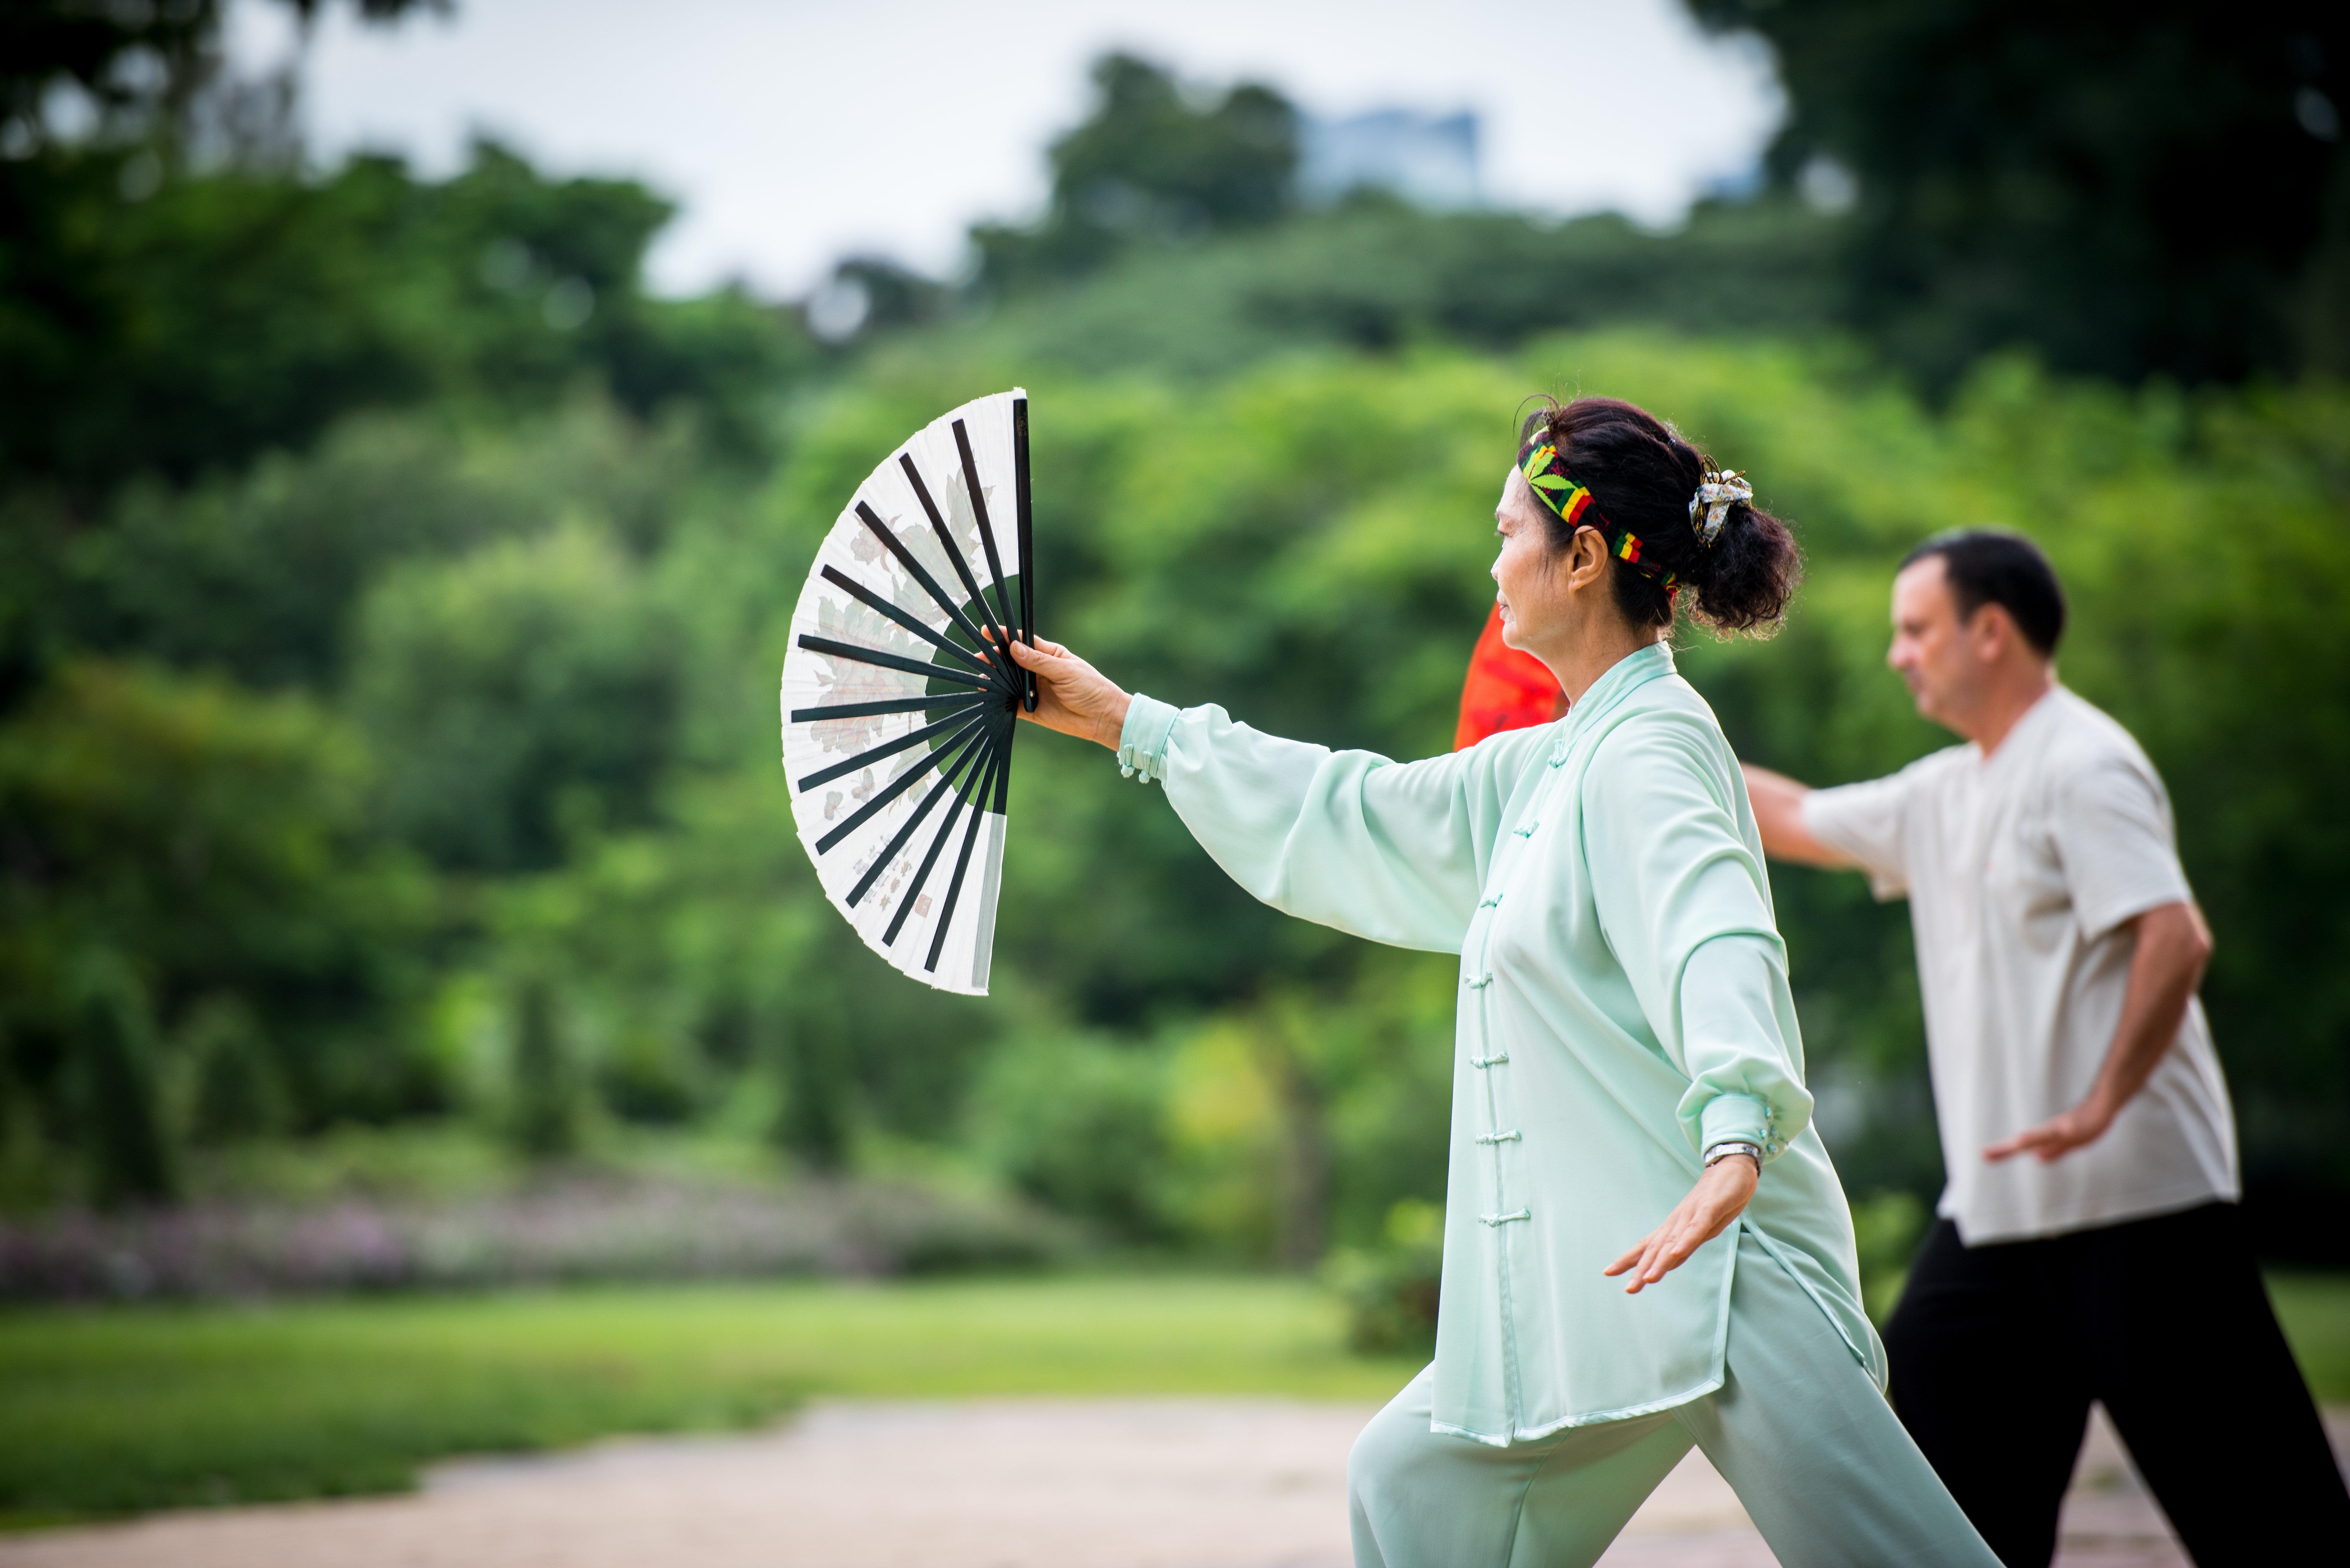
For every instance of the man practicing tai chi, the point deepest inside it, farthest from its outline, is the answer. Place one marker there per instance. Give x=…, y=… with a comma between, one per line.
x=2089, y=1246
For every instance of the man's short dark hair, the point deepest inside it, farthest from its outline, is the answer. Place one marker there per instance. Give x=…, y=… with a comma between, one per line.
x=1985, y=566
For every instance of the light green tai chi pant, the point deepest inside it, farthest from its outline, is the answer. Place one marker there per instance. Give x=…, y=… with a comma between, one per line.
x=1813, y=1450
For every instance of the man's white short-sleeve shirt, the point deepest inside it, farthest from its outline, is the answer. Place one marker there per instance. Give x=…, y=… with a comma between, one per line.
x=2022, y=870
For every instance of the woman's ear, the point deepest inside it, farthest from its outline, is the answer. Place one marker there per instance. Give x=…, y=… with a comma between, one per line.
x=1587, y=559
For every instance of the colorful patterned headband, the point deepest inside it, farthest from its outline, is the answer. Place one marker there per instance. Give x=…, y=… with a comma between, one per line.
x=1547, y=476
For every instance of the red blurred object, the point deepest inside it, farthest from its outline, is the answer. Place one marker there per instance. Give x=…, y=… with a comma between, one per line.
x=1506, y=689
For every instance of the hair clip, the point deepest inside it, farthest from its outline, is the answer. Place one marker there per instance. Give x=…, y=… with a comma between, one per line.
x=1716, y=492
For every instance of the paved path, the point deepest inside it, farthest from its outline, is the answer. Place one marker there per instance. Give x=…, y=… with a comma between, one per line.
x=1191, y=1483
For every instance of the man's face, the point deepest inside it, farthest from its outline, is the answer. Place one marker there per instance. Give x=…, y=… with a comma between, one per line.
x=1943, y=664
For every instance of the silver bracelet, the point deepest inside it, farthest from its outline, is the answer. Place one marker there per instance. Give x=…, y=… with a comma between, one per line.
x=1723, y=1150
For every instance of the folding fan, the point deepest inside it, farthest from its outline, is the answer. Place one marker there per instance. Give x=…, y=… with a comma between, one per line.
x=896, y=726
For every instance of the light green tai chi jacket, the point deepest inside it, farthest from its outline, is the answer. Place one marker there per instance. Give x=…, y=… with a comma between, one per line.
x=1624, y=1006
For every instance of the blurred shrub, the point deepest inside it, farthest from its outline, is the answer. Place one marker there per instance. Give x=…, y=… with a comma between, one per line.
x=579, y=1230
x=1078, y=1122
x=233, y=1090
x=526, y=692
x=1390, y=1286
x=171, y=847
x=256, y=573
x=117, y=1102
x=546, y=1081
x=649, y=1078
x=1887, y=1227
x=705, y=929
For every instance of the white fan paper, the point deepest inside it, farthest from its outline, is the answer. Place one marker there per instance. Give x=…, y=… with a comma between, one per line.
x=897, y=730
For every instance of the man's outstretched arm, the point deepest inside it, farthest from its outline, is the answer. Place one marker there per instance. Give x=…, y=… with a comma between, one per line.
x=1779, y=813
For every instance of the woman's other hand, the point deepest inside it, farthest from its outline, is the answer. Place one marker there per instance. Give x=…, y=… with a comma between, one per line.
x=1720, y=1197
x=1071, y=696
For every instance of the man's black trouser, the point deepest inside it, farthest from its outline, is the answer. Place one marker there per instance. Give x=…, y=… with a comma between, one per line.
x=1998, y=1350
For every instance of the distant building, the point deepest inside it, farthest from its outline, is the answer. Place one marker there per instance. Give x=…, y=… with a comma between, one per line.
x=1428, y=160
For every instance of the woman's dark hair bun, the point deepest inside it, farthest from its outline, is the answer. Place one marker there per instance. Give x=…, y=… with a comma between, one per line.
x=1641, y=475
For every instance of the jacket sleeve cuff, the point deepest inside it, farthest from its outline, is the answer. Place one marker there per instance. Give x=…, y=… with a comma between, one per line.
x=1142, y=744
x=1738, y=1118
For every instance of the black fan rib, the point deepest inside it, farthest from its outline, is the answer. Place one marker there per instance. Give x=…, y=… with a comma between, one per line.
x=1025, y=518
x=874, y=655
x=922, y=573
x=874, y=601
x=955, y=723
x=887, y=705
x=947, y=544
x=962, y=864
x=979, y=513
x=962, y=751
x=922, y=872
x=881, y=797
x=971, y=793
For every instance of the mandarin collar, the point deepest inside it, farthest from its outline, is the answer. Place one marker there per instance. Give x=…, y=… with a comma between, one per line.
x=1626, y=675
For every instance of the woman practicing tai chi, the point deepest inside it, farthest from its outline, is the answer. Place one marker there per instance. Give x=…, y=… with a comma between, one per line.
x=1626, y=1060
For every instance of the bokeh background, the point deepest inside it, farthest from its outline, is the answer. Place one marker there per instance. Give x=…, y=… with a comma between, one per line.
x=400, y=915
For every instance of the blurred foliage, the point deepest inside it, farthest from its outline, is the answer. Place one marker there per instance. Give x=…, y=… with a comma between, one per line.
x=220, y=314
x=1376, y=275
x=538, y=736
x=1150, y=165
x=526, y=689
x=1390, y=1289
x=388, y=631
x=194, y=846
x=545, y=1082
x=1886, y=1228
x=2164, y=194
x=136, y=60
x=1050, y=1110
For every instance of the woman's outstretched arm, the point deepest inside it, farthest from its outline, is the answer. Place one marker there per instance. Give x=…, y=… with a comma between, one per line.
x=1394, y=852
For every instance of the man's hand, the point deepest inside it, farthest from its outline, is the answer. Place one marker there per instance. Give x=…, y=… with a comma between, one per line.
x=1720, y=1197
x=2054, y=1138
x=2172, y=946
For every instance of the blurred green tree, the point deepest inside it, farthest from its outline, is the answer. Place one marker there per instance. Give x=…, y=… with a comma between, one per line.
x=1377, y=275
x=119, y=1103
x=527, y=692
x=135, y=62
x=1079, y=1124
x=1149, y=166
x=218, y=316
x=258, y=574
x=237, y=1091
x=194, y=848
x=2161, y=191
x=546, y=1090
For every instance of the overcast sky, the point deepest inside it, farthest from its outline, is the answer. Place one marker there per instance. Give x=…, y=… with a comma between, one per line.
x=792, y=133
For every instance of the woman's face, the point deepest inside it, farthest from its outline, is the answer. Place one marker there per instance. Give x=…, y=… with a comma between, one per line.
x=1532, y=585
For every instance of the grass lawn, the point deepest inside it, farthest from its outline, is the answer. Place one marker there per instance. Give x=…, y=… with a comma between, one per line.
x=2315, y=1312
x=114, y=1410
